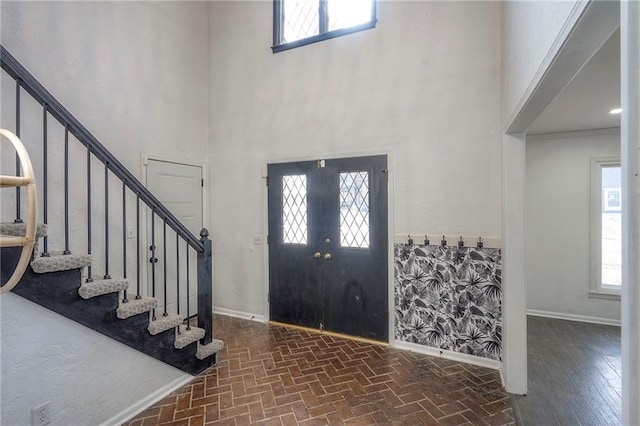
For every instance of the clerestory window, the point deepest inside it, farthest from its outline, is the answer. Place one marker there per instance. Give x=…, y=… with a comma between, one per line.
x=300, y=22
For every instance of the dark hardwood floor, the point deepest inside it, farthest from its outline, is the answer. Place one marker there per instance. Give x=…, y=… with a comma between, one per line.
x=574, y=374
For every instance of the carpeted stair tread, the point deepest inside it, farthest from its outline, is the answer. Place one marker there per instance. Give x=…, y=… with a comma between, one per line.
x=56, y=262
x=101, y=286
x=207, y=350
x=186, y=337
x=136, y=306
x=163, y=323
x=20, y=229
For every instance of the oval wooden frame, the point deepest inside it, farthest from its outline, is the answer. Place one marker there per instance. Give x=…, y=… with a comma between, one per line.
x=27, y=180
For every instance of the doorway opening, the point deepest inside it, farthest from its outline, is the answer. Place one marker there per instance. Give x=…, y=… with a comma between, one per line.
x=557, y=150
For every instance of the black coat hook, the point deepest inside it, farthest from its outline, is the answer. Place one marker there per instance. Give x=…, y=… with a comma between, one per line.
x=460, y=242
x=410, y=240
x=443, y=242
x=426, y=240
x=480, y=244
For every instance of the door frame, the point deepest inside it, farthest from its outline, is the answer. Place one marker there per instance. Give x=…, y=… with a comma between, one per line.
x=389, y=152
x=144, y=225
x=589, y=25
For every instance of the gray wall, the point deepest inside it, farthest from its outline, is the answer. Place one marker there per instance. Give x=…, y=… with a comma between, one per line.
x=529, y=31
x=558, y=229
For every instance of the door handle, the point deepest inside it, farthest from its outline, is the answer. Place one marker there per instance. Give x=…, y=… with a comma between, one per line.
x=327, y=256
x=317, y=255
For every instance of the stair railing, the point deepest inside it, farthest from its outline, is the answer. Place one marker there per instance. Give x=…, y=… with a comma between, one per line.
x=51, y=107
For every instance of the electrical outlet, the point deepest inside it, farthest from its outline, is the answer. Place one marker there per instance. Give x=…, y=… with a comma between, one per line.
x=41, y=415
x=130, y=233
x=257, y=240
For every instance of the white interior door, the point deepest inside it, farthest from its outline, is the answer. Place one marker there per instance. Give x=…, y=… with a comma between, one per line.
x=179, y=188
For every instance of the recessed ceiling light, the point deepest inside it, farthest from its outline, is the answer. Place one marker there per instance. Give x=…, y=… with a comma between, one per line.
x=615, y=111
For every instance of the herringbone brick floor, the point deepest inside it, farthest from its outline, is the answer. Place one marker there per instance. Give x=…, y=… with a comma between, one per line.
x=274, y=375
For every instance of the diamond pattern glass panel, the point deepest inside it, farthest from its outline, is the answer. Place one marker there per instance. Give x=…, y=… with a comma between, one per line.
x=345, y=14
x=354, y=209
x=301, y=19
x=294, y=209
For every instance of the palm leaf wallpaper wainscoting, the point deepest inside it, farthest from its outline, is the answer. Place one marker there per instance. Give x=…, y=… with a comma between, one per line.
x=449, y=298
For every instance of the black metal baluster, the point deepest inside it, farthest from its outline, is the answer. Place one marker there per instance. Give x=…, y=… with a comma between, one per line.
x=45, y=246
x=18, y=218
x=89, y=275
x=323, y=16
x=138, y=296
x=153, y=259
x=205, y=301
x=178, y=274
x=188, y=294
x=124, y=237
x=66, y=190
x=106, y=221
x=164, y=257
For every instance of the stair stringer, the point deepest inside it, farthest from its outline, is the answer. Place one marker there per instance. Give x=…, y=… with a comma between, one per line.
x=58, y=292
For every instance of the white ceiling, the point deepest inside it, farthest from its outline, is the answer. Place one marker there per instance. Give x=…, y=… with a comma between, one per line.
x=584, y=104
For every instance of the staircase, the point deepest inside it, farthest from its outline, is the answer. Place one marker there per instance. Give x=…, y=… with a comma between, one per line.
x=145, y=304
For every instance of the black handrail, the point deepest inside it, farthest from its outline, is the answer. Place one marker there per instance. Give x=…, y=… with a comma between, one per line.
x=60, y=113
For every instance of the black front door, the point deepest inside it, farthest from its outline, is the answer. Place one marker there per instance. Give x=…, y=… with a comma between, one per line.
x=328, y=245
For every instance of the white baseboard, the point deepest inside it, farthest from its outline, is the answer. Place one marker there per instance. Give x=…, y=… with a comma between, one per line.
x=238, y=314
x=444, y=353
x=572, y=317
x=148, y=401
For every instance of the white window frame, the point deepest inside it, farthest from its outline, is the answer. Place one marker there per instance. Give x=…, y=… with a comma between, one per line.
x=597, y=289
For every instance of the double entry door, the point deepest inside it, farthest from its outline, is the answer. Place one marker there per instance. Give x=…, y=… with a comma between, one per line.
x=328, y=245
